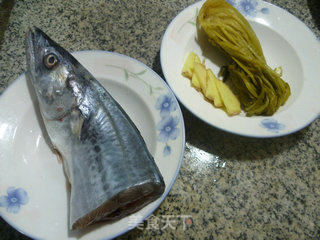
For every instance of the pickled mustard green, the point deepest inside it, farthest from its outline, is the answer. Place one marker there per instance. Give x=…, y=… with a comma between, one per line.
x=260, y=89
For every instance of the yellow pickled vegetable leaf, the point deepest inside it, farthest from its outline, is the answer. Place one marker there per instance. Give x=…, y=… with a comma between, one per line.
x=261, y=89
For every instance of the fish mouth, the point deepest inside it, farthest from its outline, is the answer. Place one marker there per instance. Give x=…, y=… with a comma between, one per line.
x=32, y=38
x=30, y=44
x=34, y=34
x=35, y=40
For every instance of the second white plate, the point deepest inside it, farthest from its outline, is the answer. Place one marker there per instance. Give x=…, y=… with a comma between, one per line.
x=285, y=41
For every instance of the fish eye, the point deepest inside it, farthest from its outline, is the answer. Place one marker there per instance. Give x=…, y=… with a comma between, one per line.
x=50, y=60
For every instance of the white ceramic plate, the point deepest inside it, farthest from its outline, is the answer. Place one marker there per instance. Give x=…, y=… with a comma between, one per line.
x=286, y=42
x=33, y=194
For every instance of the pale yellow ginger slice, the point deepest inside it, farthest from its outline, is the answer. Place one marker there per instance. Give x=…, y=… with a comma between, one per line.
x=187, y=69
x=230, y=101
x=201, y=75
x=212, y=92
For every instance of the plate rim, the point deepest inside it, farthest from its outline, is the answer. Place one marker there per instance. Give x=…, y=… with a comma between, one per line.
x=261, y=136
x=173, y=180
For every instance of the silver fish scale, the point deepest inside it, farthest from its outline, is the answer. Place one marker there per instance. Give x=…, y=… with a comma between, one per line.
x=106, y=160
x=111, y=157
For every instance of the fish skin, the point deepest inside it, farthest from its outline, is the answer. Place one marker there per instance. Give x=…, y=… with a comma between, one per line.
x=106, y=161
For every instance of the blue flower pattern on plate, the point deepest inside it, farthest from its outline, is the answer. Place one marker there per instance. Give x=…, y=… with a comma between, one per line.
x=272, y=125
x=168, y=125
x=265, y=10
x=165, y=103
x=15, y=198
x=166, y=150
x=168, y=128
x=248, y=7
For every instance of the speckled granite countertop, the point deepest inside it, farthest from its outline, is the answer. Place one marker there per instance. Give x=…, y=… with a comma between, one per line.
x=232, y=187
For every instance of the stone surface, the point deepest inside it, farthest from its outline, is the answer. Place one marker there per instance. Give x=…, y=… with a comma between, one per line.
x=232, y=187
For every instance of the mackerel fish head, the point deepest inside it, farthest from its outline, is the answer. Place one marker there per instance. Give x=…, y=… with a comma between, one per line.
x=53, y=74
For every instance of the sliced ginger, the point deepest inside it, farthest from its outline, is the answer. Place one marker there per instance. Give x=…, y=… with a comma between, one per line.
x=212, y=88
x=212, y=92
